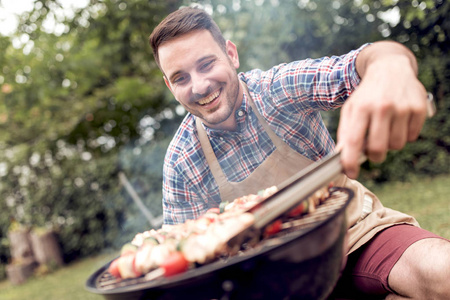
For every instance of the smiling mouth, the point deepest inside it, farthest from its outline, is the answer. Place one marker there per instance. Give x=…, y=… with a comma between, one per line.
x=210, y=98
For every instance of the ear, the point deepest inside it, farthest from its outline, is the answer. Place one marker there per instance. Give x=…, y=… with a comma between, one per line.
x=167, y=83
x=233, y=54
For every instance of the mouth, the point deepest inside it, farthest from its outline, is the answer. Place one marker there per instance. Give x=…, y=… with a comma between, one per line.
x=210, y=98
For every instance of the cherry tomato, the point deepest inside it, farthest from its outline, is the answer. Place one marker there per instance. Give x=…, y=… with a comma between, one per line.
x=174, y=264
x=273, y=228
x=114, y=268
x=299, y=209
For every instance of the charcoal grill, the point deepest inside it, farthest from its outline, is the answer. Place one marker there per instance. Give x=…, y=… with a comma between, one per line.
x=303, y=261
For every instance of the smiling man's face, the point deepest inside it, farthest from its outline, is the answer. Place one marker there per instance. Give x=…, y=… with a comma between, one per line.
x=202, y=77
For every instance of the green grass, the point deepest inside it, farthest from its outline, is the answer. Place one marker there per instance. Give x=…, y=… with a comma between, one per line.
x=66, y=283
x=426, y=199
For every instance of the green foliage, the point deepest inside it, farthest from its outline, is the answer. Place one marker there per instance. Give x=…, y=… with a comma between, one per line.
x=82, y=205
x=70, y=102
x=428, y=37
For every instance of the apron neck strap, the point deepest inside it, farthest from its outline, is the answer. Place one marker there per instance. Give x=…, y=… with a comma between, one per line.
x=277, y=141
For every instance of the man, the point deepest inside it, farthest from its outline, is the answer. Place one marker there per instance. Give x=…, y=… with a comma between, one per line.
x=248, y=131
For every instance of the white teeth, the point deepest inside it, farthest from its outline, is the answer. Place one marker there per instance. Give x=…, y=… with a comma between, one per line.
x=209, y=98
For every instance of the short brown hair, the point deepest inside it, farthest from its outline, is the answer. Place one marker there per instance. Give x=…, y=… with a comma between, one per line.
x=181, y=22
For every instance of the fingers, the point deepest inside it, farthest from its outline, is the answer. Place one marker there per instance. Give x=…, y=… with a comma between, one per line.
x=415, y=125
x=398, y=131
x=350, y=165
x=374, y=126
x=351, y=138
x=378, y=138
x=418, y=116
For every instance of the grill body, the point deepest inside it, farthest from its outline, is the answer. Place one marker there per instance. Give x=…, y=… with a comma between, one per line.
x=302, y=263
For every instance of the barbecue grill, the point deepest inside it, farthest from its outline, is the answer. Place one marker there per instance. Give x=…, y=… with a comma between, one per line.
x=303, y=261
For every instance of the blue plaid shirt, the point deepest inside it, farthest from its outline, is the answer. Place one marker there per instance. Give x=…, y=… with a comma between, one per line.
x=290, y=98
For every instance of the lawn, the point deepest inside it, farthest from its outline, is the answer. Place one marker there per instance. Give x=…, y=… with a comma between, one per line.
x=426, y=199
x=65, y=283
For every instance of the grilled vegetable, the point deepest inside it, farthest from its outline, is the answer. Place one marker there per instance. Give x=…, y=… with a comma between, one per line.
x=222, y=206
x=150, y=241
x=273, y=228
x=174, y=264
x=128, y=248
x=300, y=209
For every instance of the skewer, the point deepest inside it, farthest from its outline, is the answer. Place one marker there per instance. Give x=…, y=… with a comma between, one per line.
x=157, y=273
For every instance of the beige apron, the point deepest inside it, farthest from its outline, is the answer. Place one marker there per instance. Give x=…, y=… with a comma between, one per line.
x=365, y=214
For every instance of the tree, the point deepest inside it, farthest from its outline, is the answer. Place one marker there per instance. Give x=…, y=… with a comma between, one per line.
x=72, y=101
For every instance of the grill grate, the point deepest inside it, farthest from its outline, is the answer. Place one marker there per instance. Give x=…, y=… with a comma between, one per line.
x=107, y=282
x=336, y=200
x=332, y=204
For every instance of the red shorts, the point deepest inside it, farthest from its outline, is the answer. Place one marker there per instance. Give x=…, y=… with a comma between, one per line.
x=367, y=269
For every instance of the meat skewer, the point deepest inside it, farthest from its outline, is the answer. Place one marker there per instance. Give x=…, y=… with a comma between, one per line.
x=173, y=249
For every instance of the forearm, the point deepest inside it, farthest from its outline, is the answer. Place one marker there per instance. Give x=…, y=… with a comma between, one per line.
x=309, y=84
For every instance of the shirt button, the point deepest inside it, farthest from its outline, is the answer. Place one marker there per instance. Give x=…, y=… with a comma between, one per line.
x=221, y=138
x=240, y=113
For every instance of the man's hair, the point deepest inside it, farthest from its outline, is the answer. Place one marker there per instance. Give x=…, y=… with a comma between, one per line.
x=183, y=21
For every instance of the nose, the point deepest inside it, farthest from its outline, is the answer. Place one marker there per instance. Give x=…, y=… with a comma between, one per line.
x=200, y=84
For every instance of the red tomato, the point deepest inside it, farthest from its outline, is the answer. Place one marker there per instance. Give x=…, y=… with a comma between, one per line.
x=299, y=209
x=114, y=268
x=273, y=228
x=174, y=264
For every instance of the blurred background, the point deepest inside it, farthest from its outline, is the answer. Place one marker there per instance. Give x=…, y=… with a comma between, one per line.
x=85, y=117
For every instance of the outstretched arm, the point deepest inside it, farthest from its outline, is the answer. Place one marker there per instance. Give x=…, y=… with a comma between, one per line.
x=387, y=109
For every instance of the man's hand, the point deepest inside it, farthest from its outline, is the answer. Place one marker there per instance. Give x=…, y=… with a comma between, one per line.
x=387, y=109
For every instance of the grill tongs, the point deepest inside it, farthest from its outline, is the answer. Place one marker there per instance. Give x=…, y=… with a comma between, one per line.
x=290, y=194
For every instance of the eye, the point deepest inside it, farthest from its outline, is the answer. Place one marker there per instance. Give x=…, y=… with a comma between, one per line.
x=179, y=79
x=207, y=66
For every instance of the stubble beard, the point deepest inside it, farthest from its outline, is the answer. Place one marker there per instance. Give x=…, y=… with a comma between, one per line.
x=215, y=116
